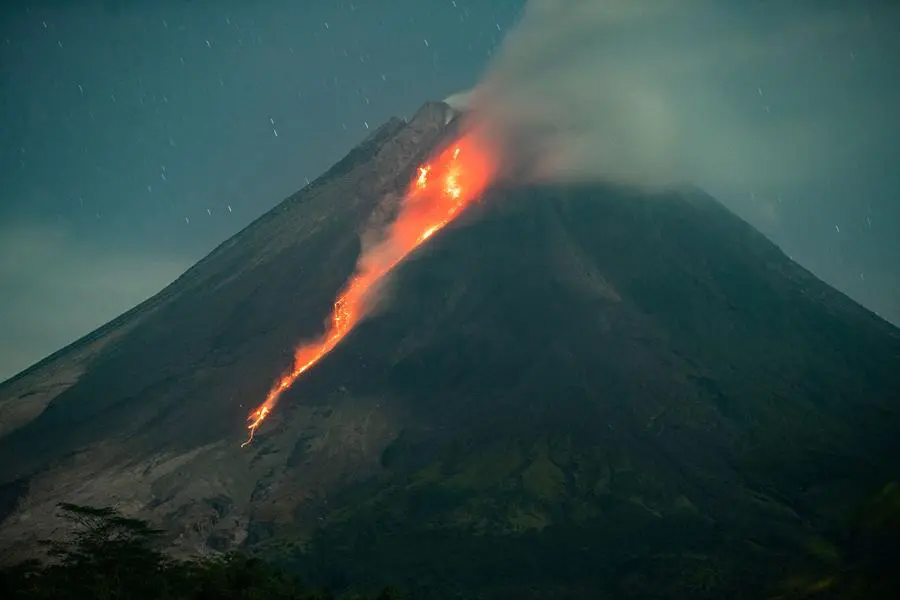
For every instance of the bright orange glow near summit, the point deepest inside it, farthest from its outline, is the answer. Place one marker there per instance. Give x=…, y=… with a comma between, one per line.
x=440, y=191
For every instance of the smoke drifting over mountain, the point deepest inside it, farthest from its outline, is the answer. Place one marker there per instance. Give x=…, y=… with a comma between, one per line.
x=782, y=110
x=760, y=98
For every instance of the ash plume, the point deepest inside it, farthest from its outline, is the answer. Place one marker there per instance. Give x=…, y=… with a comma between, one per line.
x=660, y=92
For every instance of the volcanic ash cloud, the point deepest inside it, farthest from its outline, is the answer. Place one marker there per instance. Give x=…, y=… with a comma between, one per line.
x=728, y=97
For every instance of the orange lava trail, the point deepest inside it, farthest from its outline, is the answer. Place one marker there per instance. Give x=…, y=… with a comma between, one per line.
x=437, y=195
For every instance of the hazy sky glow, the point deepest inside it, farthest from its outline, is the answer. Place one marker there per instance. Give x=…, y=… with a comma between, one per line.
x=135, y=136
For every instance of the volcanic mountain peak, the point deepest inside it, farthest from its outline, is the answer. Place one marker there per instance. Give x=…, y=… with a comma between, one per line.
x=565, y=377
x=179, y=372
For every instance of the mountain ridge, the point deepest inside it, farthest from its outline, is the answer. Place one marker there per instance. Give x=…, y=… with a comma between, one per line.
x=389, y=177
x=567, y=376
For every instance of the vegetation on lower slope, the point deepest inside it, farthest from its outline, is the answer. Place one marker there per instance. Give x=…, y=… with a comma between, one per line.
x=548, y=518
x=109, y=556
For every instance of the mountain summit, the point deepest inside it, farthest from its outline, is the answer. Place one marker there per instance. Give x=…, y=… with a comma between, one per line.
x=579, y=388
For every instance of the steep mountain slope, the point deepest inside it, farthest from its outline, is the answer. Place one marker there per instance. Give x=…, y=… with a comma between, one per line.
x=579, y=388
x=589, y=377
x=164, y=389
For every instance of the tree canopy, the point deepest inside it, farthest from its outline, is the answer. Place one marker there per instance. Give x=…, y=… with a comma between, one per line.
x=112, y=557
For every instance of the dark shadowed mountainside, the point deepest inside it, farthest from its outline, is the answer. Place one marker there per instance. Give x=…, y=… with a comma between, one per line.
x=583, y=390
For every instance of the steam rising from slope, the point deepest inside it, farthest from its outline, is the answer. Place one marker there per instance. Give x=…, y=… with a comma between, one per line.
x=668, y=91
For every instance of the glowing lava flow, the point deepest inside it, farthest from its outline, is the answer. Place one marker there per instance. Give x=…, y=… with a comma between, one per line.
x=437, y=195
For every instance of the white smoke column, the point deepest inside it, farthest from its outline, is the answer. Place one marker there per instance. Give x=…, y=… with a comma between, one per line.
x=559, y=93
x=730, y=97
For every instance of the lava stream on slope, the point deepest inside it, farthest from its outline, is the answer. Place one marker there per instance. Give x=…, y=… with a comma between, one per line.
x=438, y=194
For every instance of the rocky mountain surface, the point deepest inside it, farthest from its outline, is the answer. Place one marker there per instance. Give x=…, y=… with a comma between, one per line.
x=583, y=388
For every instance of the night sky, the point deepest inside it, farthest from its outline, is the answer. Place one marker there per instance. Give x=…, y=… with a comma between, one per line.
x=135, y=136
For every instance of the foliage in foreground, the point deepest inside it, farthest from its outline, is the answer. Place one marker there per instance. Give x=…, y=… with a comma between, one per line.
x=109, y=556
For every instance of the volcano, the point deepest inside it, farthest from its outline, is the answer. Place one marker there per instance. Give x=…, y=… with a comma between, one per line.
x=579, y=391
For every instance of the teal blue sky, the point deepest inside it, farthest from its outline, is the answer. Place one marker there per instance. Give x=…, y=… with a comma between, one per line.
x=135, y=136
